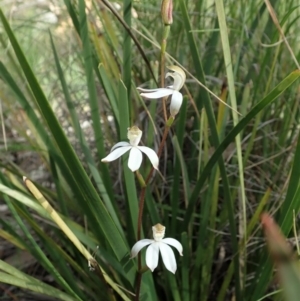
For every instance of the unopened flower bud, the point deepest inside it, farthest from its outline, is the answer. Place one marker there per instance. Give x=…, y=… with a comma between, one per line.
x=167, y=11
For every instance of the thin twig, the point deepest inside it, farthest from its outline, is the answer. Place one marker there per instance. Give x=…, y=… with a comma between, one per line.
x=277, y=24
x=128, y=29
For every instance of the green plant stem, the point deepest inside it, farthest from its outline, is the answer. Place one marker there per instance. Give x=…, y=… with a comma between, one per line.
x=141, y=209
x=143, y=191
x=142, y=203
x=127, y=6
x=229, y=71
x=162, y=64
x=140, y=179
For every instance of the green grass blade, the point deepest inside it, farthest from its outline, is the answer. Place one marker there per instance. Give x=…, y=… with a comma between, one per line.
x=215, y=139
x=127, y=6
x=39, y=254
x=185, y=294
x=128, y=175
x=88, y=56
x=32, y=284
x=176, y=179
x=231, y=83
x=83, y=188
x=56, y=180
x=111, y=92
x=107, y=196
x=271, y=97
x=185, y=177
x=23, y=101
x=291, y=206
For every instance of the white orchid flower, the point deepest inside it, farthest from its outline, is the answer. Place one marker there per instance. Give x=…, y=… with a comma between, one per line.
x=135, y=156
x=156, y=245
x=176, y=100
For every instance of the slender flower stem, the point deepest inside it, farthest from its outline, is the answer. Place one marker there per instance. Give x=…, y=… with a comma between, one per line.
x=142, y=203
x=140, y=179
x=145, y=183
x=139, y=279
x=141, y=209
x=162, y=64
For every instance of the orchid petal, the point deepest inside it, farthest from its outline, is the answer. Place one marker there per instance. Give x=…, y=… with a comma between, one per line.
x=135, y=159
x=119, y=144
x=147, y=90
x=117, y=153
x=152, y=256
x=176, y=102
x=138, y=246
x=178, y=75
x=168, y=257
x=158, y=93
x=174, y=243
x=151, y=154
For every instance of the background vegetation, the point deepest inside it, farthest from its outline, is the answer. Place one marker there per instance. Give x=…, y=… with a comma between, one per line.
x=69, y=72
